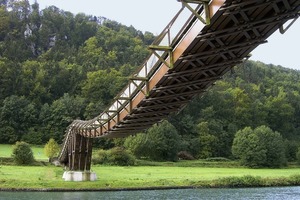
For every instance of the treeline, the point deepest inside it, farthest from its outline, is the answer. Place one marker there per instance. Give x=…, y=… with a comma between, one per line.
x=255, y=105
x=251, y=95
x=56, y=67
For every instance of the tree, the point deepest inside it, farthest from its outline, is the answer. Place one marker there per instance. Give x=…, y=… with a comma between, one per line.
x=51, y=149
x=163, y=142
x=280, y=112
x=206, y=141
x=22, y=154
x=62, y=112
x=4, y=25
x=260, y=147
x=102, y=85
x=17, y=116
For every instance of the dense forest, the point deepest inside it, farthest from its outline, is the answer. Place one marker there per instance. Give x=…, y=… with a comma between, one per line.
x=56, y=67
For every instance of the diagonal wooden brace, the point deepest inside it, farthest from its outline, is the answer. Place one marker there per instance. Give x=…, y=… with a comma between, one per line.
x=205, y=4
x=168, y=49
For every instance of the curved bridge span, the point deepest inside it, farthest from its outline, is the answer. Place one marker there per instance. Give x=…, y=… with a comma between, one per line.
x=205, y=39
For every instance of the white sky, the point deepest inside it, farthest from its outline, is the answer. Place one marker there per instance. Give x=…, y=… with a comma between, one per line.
x=154, y=15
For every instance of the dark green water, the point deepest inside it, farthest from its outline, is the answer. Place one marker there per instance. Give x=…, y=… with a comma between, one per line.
x=276, y=193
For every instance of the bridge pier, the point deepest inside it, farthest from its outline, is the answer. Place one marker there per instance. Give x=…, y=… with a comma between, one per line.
x=79, y=176
x=79, y=159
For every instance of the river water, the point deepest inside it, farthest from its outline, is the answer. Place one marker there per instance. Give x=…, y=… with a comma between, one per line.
x=274, y=193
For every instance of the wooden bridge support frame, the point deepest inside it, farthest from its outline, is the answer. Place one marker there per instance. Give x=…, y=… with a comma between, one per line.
x=80, y=153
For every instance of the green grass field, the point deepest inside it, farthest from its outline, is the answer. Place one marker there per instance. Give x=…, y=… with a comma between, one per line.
x=145, y=176
x=38, y=151
x=198, y=173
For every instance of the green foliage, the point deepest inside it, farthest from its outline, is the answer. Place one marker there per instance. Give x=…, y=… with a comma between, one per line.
x=298, y=156
x=56, y=66
x=60, y=114
x=121, y=157
x=102, y=84
x=115, y=156
x=218, y=159
x=51, y=149
x=137, y=144
x=117, y=177
x=291, y=149
x=162, y=142
x=206, y=141
x=100, y=157
x=260, y=147
x=22, y=154
x=32, y=136
x=16, y=116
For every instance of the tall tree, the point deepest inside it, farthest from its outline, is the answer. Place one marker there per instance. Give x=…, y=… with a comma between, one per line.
x=260, y=147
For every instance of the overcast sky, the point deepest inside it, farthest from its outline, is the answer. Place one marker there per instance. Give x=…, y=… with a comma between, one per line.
x=154, y=15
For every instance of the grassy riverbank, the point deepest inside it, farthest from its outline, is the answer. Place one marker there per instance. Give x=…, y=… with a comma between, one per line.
x=199, y=173
x=112, y=177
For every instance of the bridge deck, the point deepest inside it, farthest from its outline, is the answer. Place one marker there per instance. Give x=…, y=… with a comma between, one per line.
x=188, y=65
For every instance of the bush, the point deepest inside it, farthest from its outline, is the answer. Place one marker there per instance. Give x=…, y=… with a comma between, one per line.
x=184, y=155
x=22, y=154
x=51, y=149
x=218, y=159
x=244, y=181
x=116, y=156
x=101, y=157
x=137, y=144
x=160, y=143
x=121, y=157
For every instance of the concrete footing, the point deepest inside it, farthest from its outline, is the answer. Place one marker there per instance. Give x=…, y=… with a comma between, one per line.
x=79, y=176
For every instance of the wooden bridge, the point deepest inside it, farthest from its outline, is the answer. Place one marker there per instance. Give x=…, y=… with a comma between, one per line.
x=205, y=39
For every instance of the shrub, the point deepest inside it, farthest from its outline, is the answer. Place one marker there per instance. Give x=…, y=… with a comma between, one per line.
x=137, y=144
x=218, y=159
x=184, y=155
x=51, y=149
x=244, y=181
x=101, y=157
x=22, y=154
x=116, y=156
x=295, y=179
x=121, y=157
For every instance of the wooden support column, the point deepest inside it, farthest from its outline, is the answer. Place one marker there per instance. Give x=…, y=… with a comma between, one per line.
x=80, y=153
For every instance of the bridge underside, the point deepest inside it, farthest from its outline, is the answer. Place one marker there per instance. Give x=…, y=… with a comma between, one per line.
x=198, y=56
